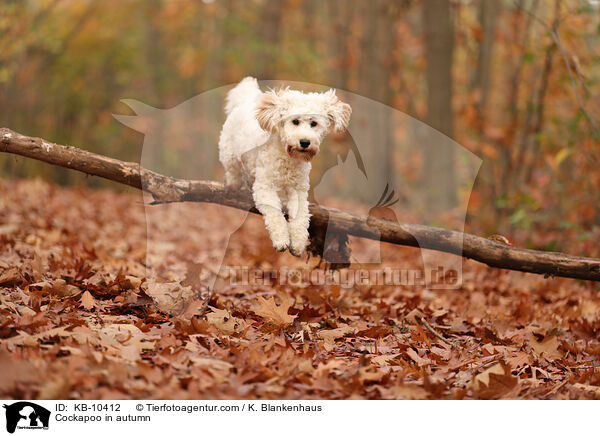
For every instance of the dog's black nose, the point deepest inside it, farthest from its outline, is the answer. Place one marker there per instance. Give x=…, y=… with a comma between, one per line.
x=304, y=143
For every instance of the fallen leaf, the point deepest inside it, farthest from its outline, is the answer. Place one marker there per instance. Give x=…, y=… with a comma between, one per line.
x=125, y=341
x=548, y=348
x=170, y=297
x=272, y=313
x=329, y=336
x=87, y=301
x=494, y=382
x=421, y=361
x=224, y=321
x=61, y=288
x=24, y=338
x=10, y=276
x=518, y=360
x=383, y=359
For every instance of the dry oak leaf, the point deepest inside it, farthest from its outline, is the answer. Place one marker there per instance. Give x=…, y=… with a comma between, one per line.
x=88, y=301
x=125, y=341
x=10, y=276
x=329, y=336
x=171, y=298
x=24, y=338
x=20, y=308
x=223, y=321
x=484, y=377
x=61, y=288
x=494, y=382
x=414, y=315
x=518, y=360
x=272, y=313
x=383, y=359
x=548, y=348
x=291, y=364
x=421, y=361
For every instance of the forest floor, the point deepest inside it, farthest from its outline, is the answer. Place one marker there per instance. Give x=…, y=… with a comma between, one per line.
x=79, y=319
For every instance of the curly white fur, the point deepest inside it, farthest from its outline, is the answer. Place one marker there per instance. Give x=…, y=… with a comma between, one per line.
x=267, y=142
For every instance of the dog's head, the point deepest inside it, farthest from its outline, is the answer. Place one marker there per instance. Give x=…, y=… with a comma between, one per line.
x=302, y=119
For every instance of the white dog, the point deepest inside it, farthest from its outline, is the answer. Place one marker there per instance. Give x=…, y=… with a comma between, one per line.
x=267, y=142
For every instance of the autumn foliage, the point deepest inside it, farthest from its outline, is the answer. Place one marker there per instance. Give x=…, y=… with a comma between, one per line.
x=79, y=319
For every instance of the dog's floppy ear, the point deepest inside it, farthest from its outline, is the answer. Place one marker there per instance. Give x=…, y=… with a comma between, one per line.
x=338, y=112
x=267, y=113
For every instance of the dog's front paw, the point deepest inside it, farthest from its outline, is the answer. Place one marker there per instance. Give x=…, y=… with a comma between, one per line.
x=280, y=245
x=298, y=244
x=297, y=251
x=280, y=242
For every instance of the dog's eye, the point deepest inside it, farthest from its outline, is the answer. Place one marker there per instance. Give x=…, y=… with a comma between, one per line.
x=313, y=124
x=296, y=122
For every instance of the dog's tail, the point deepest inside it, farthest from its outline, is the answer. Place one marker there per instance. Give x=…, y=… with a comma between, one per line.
x=244, y=91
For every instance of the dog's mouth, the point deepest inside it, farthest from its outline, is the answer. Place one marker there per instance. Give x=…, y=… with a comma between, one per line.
x=302, y=153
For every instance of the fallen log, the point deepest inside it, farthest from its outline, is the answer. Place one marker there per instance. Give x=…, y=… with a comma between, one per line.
x=166, y=189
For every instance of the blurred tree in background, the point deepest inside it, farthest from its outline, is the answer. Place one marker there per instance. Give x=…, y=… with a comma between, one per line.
x=516, y=82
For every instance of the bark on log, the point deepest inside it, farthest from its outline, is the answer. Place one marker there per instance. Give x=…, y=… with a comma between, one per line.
x=168, y=189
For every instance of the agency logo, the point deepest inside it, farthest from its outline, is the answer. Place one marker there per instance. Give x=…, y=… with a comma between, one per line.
x=24, y=415
x=380, y=167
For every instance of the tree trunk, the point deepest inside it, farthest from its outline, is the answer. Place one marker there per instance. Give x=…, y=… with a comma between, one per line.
x=438, y=174
x=374, y=76
x=340, y=16
x=488, y=11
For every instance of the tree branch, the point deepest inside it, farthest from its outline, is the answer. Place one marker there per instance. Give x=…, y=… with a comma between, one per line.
x=167, y=189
